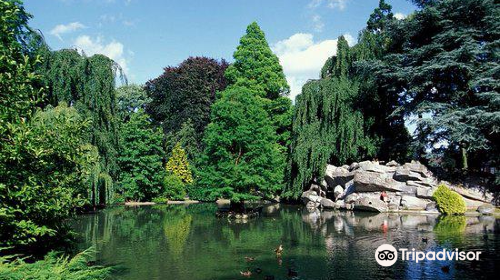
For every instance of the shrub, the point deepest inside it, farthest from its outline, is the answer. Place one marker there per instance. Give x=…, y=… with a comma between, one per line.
x=54, y=267
x=174, y=187
x=448, y=201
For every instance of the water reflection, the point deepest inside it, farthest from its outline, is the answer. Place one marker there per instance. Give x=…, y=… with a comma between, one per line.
x=188, y=242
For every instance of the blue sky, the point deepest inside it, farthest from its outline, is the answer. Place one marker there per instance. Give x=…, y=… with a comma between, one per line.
x=144, y=36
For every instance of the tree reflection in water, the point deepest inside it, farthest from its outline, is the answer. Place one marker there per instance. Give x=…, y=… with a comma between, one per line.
x=189, y=242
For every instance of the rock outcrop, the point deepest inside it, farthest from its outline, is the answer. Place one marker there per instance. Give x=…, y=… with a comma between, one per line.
x=371, y=186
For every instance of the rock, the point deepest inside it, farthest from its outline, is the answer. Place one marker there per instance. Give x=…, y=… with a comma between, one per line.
x=486, y=209
x=392, y=163
x=471, y=203
x=425, y=192
x=403, y=175
x=372, y=167
x=417, y=167
x=337, y=176
x=373, y=182
x=473, y=193
x=431, y=207
x=351, y=198
x=318, y=189
x=327, y=203
x=413, y=203
x=312, y=205
x=340, y=204
x=426, y=182
x=370, y=203
x=353, y=166
x=337, y=191
x=311, y=196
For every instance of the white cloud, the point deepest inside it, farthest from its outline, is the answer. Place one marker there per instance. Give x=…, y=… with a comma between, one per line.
x=399, y=16
x=302, y=58
x=318, y=23
x=60, y=29
x=332, y=4
x=113, y=49
x=337, y=4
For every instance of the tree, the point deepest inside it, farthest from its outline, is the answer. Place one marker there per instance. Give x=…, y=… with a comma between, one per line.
x=241, y=160
x=444, y=59
x=51, y=166
x=140, y=158
x=187, y=138
x=130, y=99
x=256, y=66
x=380, y=17
x=186, y=92
x=327, y=129
x=88, y=84
x=178, y=165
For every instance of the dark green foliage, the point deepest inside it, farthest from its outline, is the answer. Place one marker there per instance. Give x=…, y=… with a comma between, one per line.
x=17, y=94
x=256, y=66
x=140, y=158
x=187, y=137
x=445, y=61
x=88, y=84
x=50, y=166
x=242, y=159
x=327, y=129
x=53, y=267
x=448, y=201
x=380, y=17
x=186, y=92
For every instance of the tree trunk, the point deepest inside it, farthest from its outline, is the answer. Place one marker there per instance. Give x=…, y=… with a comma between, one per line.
x=465, y=164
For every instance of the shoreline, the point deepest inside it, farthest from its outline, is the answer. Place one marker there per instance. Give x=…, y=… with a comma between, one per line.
x=469, y=213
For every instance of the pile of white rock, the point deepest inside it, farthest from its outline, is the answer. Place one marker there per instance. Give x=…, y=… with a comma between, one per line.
x=372, y=186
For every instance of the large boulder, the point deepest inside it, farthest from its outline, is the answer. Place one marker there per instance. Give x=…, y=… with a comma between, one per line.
x=409, y=202
x=473, y=193
x=402, y=175
x=371, y=203
x=327, y=203
x=372, y=182
x=338, y=191
x=311, y=199
x=486, y=209
x=335, y=176
x=423, y=192
x=417, y=167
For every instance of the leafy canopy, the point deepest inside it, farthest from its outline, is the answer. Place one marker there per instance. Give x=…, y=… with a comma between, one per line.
x=242, y=159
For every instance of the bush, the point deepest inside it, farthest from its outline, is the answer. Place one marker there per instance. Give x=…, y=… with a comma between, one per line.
x=53, y=267
x=198, y=193
x=448, y=201
x=174, y=188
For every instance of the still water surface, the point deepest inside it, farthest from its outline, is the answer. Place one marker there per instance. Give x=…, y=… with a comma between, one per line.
x=188, y=242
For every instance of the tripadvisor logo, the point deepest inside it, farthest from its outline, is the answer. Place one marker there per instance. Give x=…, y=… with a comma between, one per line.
x=387, y=255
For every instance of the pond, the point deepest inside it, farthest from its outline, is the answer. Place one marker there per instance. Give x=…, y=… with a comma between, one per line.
x=189, y=242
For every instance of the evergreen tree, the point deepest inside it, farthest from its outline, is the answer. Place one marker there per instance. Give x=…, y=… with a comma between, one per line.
x=444, y=59
x=140, y=158
x=186, y=136
x=178, y=165
x=242, y=159
x=256, y=66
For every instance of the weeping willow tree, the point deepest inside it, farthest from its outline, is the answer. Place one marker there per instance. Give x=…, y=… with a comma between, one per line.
x=348, y=114
x=328, y=127
x=88, y=84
